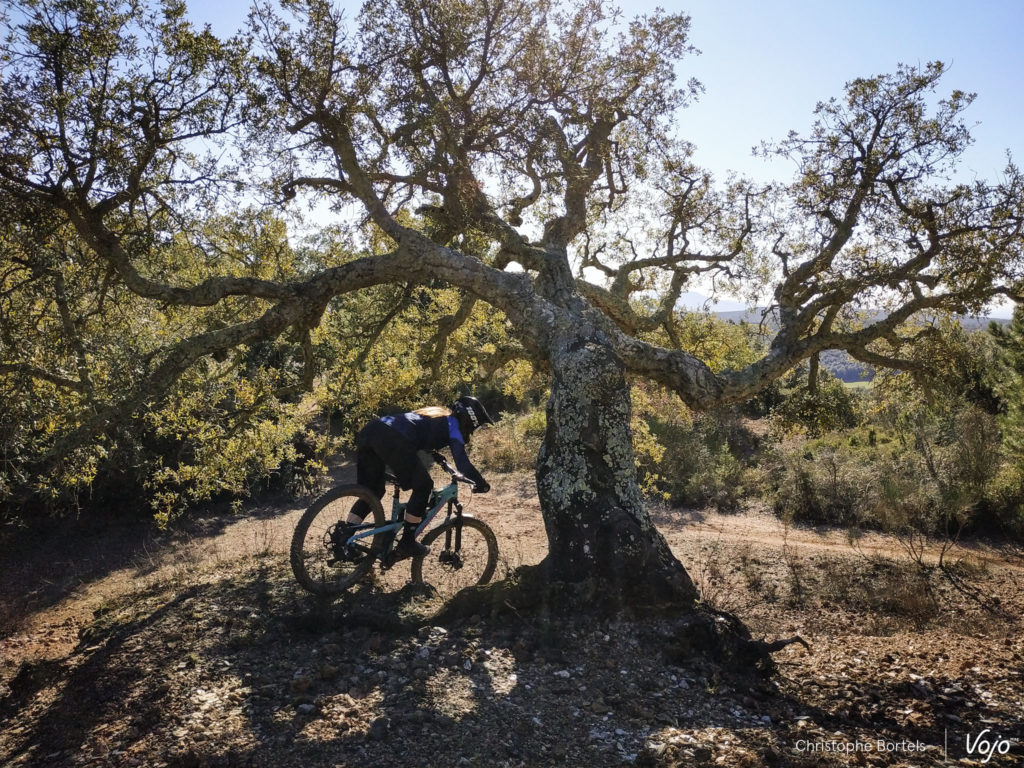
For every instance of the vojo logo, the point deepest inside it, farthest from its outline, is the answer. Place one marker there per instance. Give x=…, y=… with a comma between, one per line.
x=986, y=746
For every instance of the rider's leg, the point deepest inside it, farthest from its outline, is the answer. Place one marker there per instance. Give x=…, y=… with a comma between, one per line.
x=422, y=485
x=370, y=471
x=400, y=454
x=417, y=504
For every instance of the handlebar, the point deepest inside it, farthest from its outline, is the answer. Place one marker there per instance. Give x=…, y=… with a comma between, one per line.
x=456, y=475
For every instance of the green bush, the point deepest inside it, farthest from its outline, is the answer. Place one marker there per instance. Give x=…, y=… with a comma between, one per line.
x=934, y=474
x=825, y=482
x=1002, y=510
x=698, y=467
x=828, y=407
x=691, y=459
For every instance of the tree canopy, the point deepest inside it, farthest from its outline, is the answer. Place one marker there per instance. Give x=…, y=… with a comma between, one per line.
x=530, y=155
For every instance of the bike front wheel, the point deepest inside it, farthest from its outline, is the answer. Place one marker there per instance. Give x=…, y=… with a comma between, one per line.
x=457, y=559
x=320, y=560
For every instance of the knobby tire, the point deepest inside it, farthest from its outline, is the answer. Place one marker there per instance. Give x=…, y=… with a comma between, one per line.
x=478, y=558
x=312, y=551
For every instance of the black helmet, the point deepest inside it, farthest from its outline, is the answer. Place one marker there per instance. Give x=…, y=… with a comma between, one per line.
x=471, y=413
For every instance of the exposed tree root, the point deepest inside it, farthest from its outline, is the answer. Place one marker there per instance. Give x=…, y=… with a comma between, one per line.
x=777, y=645
x=683, y=632
x=705, y=634
x=690, y=634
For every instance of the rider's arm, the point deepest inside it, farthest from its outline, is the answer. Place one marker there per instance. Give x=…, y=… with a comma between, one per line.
x=457, y=445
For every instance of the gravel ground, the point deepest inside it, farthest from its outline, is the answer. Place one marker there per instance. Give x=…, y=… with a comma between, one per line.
x=200, y=650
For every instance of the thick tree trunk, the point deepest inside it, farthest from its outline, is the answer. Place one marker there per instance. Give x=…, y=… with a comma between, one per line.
x=598, y=528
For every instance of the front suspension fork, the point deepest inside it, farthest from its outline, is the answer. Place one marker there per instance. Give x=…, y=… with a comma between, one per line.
x=455, y=530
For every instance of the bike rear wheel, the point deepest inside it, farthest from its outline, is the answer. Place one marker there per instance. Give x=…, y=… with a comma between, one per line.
x=320, y=561
x=456, y=562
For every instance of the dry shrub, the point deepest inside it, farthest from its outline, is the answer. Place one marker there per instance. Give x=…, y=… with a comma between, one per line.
x=931, y=479
x=701, y=458
x=512, y=444
x=882, y=588
x=819, y=486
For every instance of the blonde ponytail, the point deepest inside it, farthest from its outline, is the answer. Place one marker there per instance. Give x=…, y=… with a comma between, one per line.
x=433, y=411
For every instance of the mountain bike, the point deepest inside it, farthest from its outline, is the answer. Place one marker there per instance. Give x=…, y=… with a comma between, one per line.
x=463, y=549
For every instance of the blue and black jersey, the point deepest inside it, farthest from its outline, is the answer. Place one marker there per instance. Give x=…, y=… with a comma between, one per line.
x=419, y=433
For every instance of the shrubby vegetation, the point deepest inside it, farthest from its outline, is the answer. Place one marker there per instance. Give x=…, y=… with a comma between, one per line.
x=158, y=353
x=936, y=455
x=798, y=406
x=230, y=421
x=932, y=455
x=266, y=413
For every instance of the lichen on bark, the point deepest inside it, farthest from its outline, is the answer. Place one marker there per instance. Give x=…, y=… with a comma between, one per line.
x=597, y=524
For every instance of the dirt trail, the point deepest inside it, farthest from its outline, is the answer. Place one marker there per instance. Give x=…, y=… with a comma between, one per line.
x=72, y=594
x=200, y=650
x=760, y=528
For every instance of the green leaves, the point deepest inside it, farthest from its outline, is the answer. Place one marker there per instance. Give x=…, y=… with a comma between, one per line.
x=498, y=150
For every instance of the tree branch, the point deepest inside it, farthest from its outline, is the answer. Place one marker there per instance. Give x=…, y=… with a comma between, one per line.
x=35, y=372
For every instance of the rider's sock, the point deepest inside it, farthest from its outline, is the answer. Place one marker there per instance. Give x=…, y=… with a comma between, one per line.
x=409, y=529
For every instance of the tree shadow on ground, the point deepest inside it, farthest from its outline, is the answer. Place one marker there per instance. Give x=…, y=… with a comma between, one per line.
x=101, y=683
x=41, y=566
x=245, y=670
x=665, y=516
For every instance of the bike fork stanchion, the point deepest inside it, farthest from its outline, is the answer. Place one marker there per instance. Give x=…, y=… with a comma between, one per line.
x=458, y=527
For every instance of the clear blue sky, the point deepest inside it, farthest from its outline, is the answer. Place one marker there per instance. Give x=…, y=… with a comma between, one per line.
x=766, y=63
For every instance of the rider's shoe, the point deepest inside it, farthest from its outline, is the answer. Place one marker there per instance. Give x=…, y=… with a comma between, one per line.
x=342, y=533
x=408, y=547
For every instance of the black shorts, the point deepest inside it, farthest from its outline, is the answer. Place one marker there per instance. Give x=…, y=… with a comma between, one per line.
x=379, y=446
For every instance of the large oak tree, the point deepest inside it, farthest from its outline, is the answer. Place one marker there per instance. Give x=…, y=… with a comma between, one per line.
x=528, y=153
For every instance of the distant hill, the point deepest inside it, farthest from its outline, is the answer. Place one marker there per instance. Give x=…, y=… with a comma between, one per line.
x=753, y=316
x=838, y=362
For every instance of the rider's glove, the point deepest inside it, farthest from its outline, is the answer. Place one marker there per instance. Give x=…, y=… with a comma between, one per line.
x=482, y=487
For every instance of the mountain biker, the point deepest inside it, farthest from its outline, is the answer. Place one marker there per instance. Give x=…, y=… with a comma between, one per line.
x=395, y=442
